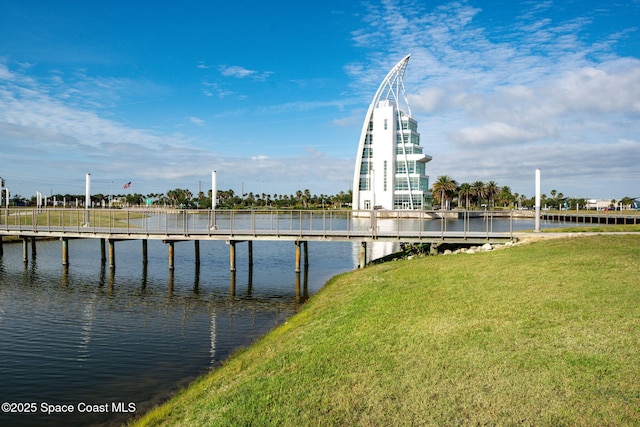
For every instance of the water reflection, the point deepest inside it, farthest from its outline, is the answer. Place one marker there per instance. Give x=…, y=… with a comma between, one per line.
x=88, y=332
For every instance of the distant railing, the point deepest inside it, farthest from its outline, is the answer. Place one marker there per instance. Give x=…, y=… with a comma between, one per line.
x=252, y=223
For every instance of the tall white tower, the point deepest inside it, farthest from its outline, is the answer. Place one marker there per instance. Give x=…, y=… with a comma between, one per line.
x=390, y=166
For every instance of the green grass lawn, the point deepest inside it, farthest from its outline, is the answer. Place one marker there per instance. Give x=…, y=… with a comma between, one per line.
x=543, y=334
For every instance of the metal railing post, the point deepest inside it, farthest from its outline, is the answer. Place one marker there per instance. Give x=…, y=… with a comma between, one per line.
x=253, y=222
x=511, y=225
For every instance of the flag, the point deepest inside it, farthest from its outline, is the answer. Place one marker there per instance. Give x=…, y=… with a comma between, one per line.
x=127, y=185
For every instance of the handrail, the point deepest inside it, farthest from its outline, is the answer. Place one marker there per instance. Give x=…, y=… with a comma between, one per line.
x=252, y=223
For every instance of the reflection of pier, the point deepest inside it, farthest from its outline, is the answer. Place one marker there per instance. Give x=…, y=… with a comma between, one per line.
x=301, y=282
x=113, y=225
x=229, y=315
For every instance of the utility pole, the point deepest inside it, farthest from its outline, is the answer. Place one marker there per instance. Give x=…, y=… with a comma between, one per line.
x=537, y=222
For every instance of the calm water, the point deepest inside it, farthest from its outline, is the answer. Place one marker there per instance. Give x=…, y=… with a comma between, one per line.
x=125, y=339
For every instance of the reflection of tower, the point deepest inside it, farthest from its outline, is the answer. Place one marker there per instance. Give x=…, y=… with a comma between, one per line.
x=88, y=316
x=213, y=334
x=375, y=250
x=390, y=145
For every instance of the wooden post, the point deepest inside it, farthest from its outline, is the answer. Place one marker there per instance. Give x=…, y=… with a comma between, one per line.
x=297, y=256
x=1, y=249
x=363, y=254
x=65, y=251
x=103, y=252
x=306, y=255
x=250, y=249
x=232, y=284
x=232, y=255
x=112, y=253
x=196, y=244
x=145, y=258
x=25, y=250
x=33, y=247
x=171, y=255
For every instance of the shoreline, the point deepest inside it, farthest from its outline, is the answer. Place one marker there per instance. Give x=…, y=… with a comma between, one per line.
x=354, y=307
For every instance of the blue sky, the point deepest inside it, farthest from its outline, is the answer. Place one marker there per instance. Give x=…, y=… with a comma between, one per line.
x=272, y=95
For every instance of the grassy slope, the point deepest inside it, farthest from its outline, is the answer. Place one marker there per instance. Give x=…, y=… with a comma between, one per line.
x=539, y=334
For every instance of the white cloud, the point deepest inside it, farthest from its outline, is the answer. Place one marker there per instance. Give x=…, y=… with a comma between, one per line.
x=241, y=72
x=215, y=89
x=497, y=105
x=196, y=121
x=5, y=74
x=494, y=133
x=49, y=140
x=613, y=87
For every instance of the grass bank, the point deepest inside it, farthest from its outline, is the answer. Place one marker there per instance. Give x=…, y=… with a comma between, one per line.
x=541, y=334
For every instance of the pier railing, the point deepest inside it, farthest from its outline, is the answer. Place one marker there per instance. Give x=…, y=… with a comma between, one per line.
x=250, y=224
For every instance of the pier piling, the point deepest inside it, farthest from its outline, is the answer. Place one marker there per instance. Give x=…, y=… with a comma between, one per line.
x=25, y=250
x=65, y=251
x=232, y=255
x=112, y=253
x=103, y=252
x=145, y=258
x=171, y=255
x=297, y=256
x=306, y=255
x=363, y=254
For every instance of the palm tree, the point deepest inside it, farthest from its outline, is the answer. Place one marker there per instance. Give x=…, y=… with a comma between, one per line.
x=491, y=190
x=443, y=188
x=505, y=197
x=465, y=191
x=306, y=197
x=478, y=191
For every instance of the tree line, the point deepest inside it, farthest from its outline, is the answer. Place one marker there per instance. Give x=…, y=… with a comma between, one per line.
x=185, y=199
x=478, y=194
x=446, y=192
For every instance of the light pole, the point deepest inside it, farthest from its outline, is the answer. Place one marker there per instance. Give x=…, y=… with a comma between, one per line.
x=537, y=222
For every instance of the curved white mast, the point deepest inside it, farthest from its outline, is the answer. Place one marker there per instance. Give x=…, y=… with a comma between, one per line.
x=391, y=88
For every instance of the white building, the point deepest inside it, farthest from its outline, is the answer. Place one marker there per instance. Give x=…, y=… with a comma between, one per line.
x=390, y=166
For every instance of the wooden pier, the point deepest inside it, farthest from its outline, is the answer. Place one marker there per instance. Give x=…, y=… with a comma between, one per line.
x=110, y=226
x=593, y=217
